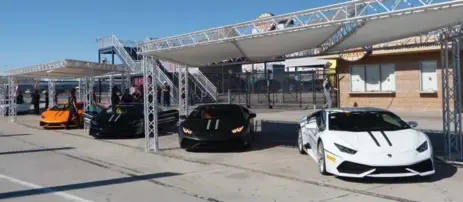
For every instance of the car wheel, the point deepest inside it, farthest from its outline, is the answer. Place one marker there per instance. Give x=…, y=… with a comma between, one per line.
x=248, y=143
x=300, y=143
x=321, y=159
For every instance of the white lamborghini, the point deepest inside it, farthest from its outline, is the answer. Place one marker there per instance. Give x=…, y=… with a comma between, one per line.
x=365, y=142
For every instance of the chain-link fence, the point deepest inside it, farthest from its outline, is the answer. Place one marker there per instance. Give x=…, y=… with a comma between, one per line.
x=298, y=89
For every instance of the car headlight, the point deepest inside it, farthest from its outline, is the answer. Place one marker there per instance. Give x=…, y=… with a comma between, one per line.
x=187, y=131
x=423, y=147
x=237, y=130
x=93, y=122
x=345, y=149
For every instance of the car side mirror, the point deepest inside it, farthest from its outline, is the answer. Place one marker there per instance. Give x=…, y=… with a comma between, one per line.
x=182, y=117
x=251, y=116
x=412, y=124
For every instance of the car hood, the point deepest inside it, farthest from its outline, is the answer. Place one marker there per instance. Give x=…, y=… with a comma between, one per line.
x=52, y=115
x=382, y=141
x=223, y=125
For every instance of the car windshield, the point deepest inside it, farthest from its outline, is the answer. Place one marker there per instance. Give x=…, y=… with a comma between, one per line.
x=217, y=112
x=60, y=107
x=123, y=109
x=365, y=121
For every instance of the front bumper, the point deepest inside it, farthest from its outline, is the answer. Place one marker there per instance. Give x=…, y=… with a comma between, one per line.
x=213, y=142
x=56, y=125
x=99, y=132
x=405, y=164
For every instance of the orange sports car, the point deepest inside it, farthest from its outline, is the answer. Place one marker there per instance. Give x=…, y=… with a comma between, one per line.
x=57, y=116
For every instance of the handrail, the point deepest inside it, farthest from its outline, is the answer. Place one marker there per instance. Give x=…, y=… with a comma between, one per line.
x=135, y=66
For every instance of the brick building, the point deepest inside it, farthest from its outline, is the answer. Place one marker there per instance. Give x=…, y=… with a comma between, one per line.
x=406, y=79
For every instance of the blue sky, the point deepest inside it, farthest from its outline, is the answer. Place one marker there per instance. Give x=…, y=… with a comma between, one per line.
x=35, y=32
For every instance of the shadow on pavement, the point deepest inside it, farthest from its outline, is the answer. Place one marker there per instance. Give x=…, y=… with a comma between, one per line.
x=36, y=150
x=84, y=185
x=14, y=135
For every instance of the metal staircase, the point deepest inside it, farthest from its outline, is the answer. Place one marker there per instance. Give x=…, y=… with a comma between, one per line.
x=127, y=52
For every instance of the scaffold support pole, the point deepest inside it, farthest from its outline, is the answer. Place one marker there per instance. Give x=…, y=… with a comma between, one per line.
x=12, y=99
x=183, y=86
x=3, y=94
x=150, y=104
x=51, y=92
x=451, y=99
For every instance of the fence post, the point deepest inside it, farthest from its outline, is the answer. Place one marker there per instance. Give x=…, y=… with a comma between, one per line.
x=229, y=96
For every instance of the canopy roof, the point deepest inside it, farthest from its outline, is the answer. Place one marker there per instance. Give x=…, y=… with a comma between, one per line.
x=337, y=27
x=65, y=69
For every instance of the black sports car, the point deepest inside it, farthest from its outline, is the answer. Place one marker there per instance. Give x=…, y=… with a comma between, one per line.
x=127, y=120
x=217, y=126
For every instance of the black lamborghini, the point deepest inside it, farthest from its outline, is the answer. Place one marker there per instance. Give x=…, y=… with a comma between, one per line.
x=126, y=120
x=217, y=126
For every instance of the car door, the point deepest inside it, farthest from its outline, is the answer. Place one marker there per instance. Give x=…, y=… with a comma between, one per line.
x=321, y=126
x=308, y=132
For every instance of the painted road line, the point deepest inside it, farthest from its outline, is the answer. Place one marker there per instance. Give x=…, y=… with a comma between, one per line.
x=44, y=189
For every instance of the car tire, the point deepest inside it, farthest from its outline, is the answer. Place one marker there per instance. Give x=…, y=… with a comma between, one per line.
x=300, y=145
x=321, y=159
x=248, y=144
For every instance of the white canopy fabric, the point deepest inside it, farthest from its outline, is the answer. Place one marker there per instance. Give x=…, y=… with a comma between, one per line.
x=390, y=24
x=66, y=68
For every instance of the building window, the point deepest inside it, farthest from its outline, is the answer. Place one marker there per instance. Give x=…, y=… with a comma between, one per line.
x=373, y=78
x=428, y=76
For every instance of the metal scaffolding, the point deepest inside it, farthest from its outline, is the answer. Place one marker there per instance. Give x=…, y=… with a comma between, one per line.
x=88, y=85
x=451, y=99
x=51, y=92
x=150, y=104
x=12, y=99
x=3, y=95
x=183, y=86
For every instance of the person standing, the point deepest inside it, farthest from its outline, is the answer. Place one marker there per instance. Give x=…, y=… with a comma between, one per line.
x=327, y=88
x=159, y=94
x=72, y=101
x=56, y=98
x=127, y=97
x=36, y=101
x=115, y=100
x=47, y=99
x=166, y=94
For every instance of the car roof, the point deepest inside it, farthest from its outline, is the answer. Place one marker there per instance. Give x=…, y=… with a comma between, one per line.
x=356, y=109
x=214, y=105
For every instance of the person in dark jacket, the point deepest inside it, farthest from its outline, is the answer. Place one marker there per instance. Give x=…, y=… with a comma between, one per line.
x=126, y=97
x=47, y=100
x=19, y=98
x=36, y=101
x=115, y=100
x=166, y=94
x=159, y=94
x=56, y=97
x=72, y=101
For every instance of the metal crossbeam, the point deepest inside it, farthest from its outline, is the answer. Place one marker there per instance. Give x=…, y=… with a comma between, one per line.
x=150, y=104
x=451, y=99
x=336, y=14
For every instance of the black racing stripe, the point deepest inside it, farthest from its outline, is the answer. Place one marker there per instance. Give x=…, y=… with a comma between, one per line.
x=373, y=137
x=387, y=139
